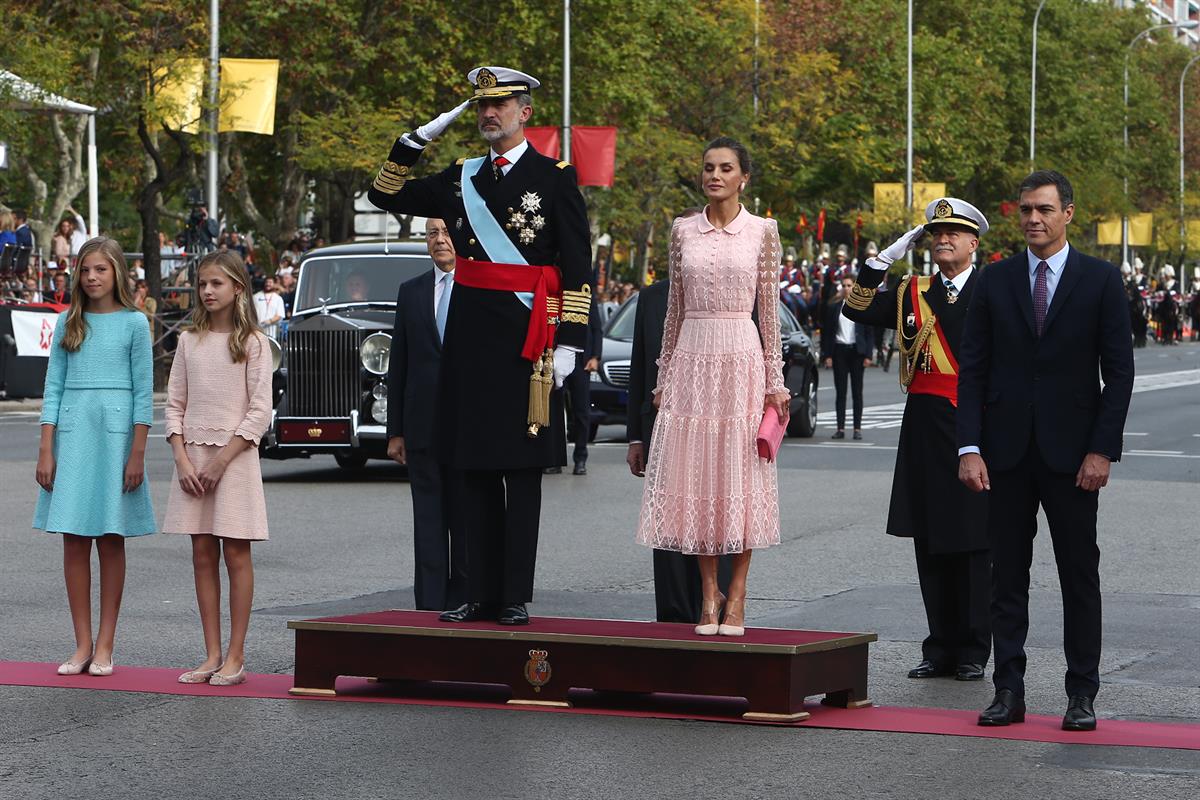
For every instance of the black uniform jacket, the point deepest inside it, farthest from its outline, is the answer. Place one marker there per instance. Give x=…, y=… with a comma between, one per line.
x=928, y=501
x=484, y=396
x=1015, y=388
x=413, y=369
x=648, y=320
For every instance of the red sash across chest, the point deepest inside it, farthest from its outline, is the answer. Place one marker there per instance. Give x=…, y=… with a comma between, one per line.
x=544, y=282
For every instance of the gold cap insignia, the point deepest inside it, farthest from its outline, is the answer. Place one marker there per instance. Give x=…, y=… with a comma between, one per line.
x=943, y=210
x=485, y=79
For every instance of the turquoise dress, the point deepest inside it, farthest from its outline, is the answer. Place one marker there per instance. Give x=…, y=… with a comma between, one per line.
x=94, y=397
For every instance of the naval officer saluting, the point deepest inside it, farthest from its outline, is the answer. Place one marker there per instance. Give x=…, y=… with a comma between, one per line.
x=520, y=229
x=946, y=521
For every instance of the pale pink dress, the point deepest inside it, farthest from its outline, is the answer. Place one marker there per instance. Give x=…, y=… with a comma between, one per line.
x=707, y=491
x=211, y=399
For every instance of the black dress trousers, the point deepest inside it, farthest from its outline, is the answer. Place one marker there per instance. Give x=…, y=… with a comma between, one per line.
x=500, y=511
x=1071, y=512
x=956, y=588
x=848, y=364
x=439, y=544
x=579, y=410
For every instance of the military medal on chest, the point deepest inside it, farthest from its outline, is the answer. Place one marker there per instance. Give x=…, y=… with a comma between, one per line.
x=528, y=220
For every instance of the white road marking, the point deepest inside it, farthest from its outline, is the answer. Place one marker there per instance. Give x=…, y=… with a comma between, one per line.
x=1166, y=380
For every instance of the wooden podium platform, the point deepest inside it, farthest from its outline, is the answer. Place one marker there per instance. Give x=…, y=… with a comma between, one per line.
x=773, y=669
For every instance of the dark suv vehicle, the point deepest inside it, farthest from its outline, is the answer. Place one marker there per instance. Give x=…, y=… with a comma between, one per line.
x=609, y=389
x=335, y=356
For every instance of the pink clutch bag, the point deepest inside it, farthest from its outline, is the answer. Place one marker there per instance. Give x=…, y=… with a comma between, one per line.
x=770, y=435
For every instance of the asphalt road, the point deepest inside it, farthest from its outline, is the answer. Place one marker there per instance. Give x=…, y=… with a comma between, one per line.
x=342, y=542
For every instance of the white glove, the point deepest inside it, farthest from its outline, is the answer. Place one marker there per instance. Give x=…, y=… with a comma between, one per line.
x=432, y=129
x=564, y=364
x=901, y=246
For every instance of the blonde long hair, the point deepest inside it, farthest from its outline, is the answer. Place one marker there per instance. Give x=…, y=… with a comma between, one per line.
x=245, y=318
x=76, y=326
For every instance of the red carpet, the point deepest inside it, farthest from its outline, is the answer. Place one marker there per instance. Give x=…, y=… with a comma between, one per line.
x=883, y=719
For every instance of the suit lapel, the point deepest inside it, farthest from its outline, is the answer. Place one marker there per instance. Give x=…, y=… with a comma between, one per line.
x=1072, y=272
x=484, y=183
x=504, y=192
x=1019, y=280
x=424, y=311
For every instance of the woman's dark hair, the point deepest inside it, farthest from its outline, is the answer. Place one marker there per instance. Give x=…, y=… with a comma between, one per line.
x=739, y=149
x=1048, y=177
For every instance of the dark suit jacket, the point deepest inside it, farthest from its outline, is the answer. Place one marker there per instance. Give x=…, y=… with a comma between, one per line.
x=24, y=236
x=651, y=314
x=415, y=361
x=594, y=347
x=829, y=329
x=1013, y=385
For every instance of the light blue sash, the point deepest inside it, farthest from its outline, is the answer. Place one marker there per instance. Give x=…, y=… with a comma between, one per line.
x=495, y=241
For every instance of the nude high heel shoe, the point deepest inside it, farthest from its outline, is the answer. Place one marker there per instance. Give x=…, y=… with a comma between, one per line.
x=198, y=675
x=712, y=610
x=740, y=615
x=100, y=670
x=72, y=668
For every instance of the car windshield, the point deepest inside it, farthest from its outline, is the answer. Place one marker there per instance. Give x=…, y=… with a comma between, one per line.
x=621, y=325
x=356, y=279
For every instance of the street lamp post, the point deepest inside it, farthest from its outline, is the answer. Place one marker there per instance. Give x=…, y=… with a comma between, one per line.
x=1188, y=25
x=1182, y=219
x=1033, y=87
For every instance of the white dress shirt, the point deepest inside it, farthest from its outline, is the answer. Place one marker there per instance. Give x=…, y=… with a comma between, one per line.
x=512, y=155
x=845, y=330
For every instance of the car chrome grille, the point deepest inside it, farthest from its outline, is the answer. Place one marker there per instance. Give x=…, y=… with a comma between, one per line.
x=323, y=373
x=617, y=373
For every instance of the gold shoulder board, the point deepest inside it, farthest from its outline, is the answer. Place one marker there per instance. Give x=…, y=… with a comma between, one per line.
x=563, y=164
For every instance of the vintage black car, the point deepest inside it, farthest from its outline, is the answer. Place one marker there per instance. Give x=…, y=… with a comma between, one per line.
x=335, y=355
x=609, y=388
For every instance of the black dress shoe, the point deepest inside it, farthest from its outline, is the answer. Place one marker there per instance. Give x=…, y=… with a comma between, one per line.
x=580, y=468
x=839, y=435
x=858, y=435
x=969, y=672
x=928, y=669
x=1006, y=708
x=552, y=471
x=516, y=614
x=1080, y=715
x=469, y=612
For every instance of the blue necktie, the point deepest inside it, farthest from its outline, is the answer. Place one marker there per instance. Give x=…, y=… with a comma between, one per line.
x=443, y=304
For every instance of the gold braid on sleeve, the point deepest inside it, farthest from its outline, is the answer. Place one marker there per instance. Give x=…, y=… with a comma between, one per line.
x=860, y=297
x=577, y=305
x=391, y=177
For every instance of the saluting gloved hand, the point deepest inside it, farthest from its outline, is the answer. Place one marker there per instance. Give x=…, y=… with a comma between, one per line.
x=432, y=129
x=564, y=364
x=897, y=249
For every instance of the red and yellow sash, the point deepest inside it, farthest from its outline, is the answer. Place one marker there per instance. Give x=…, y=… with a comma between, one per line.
x=936, y=368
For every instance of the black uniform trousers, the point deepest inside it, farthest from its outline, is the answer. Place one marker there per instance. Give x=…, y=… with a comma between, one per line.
x=579, y=410
x=848, y=363
x=1012, y=525
x=439, y=544
x=956, y=588
x=500, y=512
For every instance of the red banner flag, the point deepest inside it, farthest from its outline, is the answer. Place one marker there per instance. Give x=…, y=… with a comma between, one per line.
x=545, y=140
x=821, y=226
x=802, y=225
x=594, y=153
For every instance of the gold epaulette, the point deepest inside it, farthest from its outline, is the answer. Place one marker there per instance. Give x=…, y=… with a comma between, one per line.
x=563, y=164
x=460, y=162
x=860, y=297
x=391, y=177
x=577, y=305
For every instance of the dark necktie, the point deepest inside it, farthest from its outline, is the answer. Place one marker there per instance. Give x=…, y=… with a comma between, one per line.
x=497, y=163
x=1039, y=297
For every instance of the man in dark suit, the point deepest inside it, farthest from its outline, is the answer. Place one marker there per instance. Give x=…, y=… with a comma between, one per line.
x=845, y=346
x=521, y=285
x=1036, y=428
x=439, y=546
x=946, y=521
x=578, y=392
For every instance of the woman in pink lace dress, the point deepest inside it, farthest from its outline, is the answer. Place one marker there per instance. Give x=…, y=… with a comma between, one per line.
x=707, y=491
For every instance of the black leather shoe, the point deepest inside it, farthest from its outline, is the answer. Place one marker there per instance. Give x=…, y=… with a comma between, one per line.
x=469, y=612
x=839, y=435
x=515, y=614
x=1080, y=715
x=1006, y=708
x=969, y=672
x=928, y=669
x=580, y=468
x=858, y=435
x=552, y=471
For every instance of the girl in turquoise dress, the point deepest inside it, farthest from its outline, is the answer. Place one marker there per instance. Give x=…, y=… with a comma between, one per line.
x=96, y=414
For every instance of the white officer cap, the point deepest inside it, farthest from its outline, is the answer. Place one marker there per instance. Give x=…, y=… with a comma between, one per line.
x=497, y=83
x=1169, y=271
x=952, y=211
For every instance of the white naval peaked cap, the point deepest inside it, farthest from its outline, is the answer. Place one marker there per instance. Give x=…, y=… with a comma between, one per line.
x=500, y=82
x=952, y=211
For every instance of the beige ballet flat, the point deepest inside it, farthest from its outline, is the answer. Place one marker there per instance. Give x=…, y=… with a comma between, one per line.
x=71, y=668
x=734, y=630
x=198, y=675
x=218, y=679
x=100, y=670
x=712, y=610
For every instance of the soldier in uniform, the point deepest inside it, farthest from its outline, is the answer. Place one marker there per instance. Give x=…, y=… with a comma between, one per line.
x=947, y=522
x=520, y=230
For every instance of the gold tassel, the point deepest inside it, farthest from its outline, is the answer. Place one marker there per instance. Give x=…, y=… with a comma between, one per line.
x=540, y=384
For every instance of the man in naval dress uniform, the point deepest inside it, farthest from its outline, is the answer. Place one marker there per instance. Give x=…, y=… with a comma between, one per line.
x=516, y=320
x=947, y=522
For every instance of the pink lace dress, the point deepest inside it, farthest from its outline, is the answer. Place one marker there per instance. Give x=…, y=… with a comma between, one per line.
x=707, y=491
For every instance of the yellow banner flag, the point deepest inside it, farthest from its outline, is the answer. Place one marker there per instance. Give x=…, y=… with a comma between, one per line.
x=248, y=88
x=1193, y=233
x=889, y=200
x=1109, y=231
x=1141, y=230
x=178, y=89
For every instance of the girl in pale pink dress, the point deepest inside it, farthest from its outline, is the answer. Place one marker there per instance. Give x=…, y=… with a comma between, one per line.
x=218, y=407
x=707, y=491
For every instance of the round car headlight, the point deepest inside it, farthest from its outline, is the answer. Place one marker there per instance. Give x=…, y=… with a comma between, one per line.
x=379, y=391
x=375, y=353
x=379, y=410
x=276, y=354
